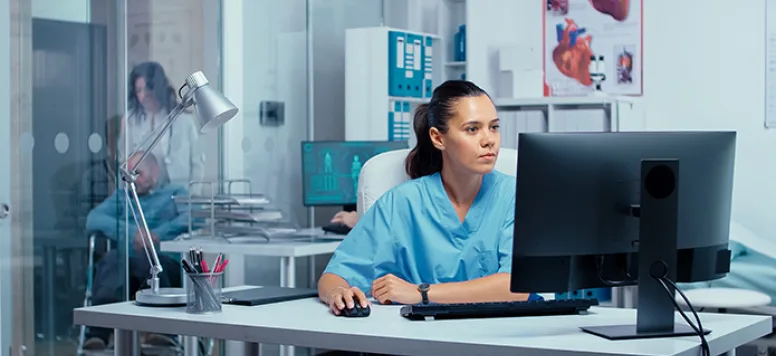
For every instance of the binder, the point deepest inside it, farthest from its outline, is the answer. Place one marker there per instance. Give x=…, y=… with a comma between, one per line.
x=394, y=115
x=399, y=121
x=428, y=65
x=415, y=65
x=406, y=122
x=457, y=46
x=462, y=45
x=396, y=63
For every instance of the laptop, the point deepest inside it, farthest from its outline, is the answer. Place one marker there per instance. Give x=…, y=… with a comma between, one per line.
x=266, y=295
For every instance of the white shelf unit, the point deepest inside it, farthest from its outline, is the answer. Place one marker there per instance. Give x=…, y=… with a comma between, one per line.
x=561, y=114
x=615, y=109
x=376, y=108
x=451, y=14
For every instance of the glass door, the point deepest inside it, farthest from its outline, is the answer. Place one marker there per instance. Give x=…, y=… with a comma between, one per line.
x=55, y=135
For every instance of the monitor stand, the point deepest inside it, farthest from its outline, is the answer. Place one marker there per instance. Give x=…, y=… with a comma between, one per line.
x=658, y=223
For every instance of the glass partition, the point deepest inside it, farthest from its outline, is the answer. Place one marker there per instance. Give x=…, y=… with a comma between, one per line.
x=76, y=107
x=62, y=95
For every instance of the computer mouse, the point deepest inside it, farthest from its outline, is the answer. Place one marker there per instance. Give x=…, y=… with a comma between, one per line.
x=356, y=312
x=336, y=228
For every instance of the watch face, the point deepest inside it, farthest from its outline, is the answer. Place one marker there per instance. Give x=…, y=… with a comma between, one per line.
x=424, y=287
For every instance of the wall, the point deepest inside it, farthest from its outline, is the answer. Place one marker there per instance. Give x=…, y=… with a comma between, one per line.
x=274, y=47
x=682, y=95
x=679, y=92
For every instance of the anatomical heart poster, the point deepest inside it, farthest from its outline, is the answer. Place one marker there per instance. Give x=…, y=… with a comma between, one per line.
x=592, y=45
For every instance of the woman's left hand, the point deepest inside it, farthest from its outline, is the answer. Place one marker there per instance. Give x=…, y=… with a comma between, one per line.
x=391, y=289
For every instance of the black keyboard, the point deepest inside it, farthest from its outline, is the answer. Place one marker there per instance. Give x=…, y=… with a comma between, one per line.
x=497, y=309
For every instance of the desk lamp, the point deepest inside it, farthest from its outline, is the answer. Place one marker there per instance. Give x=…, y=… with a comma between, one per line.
x=213, y=110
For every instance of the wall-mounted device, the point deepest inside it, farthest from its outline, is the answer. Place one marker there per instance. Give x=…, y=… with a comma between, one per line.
x=272, y=113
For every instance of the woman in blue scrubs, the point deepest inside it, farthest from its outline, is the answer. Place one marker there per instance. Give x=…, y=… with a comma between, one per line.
x=449, y=229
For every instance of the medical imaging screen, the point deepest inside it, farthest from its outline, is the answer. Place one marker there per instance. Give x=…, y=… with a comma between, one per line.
x=330, y=169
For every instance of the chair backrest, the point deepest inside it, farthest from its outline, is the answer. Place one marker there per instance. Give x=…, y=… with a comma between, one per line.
x=386, y=170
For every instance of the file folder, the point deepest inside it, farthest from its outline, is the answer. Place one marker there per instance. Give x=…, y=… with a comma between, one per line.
x=415, y=65
x=399, y=121
x=396, y=64
x=406, y=121
x=428, y=64
x=394, y=114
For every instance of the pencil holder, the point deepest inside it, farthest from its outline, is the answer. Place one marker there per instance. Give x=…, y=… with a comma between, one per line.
x=203, y=293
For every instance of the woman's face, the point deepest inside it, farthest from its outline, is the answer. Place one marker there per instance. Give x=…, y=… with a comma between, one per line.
x=145, y=96
x=472, y=140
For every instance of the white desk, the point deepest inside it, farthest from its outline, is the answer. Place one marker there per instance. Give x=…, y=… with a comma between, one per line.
x=309, y=323
x=287, y=249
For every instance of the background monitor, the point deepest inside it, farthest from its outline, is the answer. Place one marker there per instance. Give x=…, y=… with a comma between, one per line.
x=611, y=209
x=330, y=169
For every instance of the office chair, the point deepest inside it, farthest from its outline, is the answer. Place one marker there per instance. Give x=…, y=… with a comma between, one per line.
x=386, y=170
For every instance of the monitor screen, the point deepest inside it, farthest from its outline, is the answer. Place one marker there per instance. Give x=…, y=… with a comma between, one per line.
x=330, y=169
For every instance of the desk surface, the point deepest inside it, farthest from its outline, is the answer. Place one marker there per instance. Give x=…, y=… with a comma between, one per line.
x=274, y=248
x=308, y=323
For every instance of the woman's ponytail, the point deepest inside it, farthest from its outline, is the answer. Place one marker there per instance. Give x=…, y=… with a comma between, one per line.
x=424, y=159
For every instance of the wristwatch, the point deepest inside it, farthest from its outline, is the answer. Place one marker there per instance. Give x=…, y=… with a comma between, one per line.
x=423, y=289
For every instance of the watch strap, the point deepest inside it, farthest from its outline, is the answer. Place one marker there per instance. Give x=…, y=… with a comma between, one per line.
x=423, y=288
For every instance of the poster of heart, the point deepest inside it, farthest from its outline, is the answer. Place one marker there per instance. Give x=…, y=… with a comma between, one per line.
x=590, y=44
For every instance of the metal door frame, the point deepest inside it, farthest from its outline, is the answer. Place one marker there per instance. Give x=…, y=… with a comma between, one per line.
x=17, y=319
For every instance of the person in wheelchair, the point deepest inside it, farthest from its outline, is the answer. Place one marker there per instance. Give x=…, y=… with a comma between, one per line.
x=166, y=221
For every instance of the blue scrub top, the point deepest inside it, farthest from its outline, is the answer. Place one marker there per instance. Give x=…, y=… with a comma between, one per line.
x=413, y=232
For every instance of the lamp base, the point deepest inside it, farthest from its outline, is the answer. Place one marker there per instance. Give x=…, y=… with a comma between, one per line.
x=165, y=297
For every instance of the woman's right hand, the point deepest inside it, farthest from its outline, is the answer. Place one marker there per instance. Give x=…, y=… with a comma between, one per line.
x=349, y=218
x=341, y=297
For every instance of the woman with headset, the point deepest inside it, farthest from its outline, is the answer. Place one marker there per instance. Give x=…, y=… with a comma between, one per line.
x=151, y=98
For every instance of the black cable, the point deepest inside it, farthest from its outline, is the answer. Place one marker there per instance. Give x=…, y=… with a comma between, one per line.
x=705, y=351
x=180, y=89
x=612, y=283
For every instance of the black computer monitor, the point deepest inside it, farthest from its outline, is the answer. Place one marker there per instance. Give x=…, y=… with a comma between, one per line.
x=611, y=209
x=330, y=169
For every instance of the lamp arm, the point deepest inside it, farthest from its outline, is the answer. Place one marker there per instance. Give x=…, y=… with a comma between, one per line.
x=130, y=191
x=155, y=137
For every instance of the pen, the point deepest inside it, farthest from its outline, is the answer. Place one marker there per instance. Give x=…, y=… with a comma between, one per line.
x=222, y=266
x=198, y=260
x=187, y=266
x=192, y=257
x=217, y=262
x=203, y=264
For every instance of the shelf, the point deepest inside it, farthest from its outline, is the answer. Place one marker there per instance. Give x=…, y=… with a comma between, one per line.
x=556, y=101
x=409, y=99
x=623, y=113
x=455, y=64
x=424, y=34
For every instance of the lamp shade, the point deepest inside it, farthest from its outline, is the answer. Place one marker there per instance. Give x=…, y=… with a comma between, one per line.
x=212, y=107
